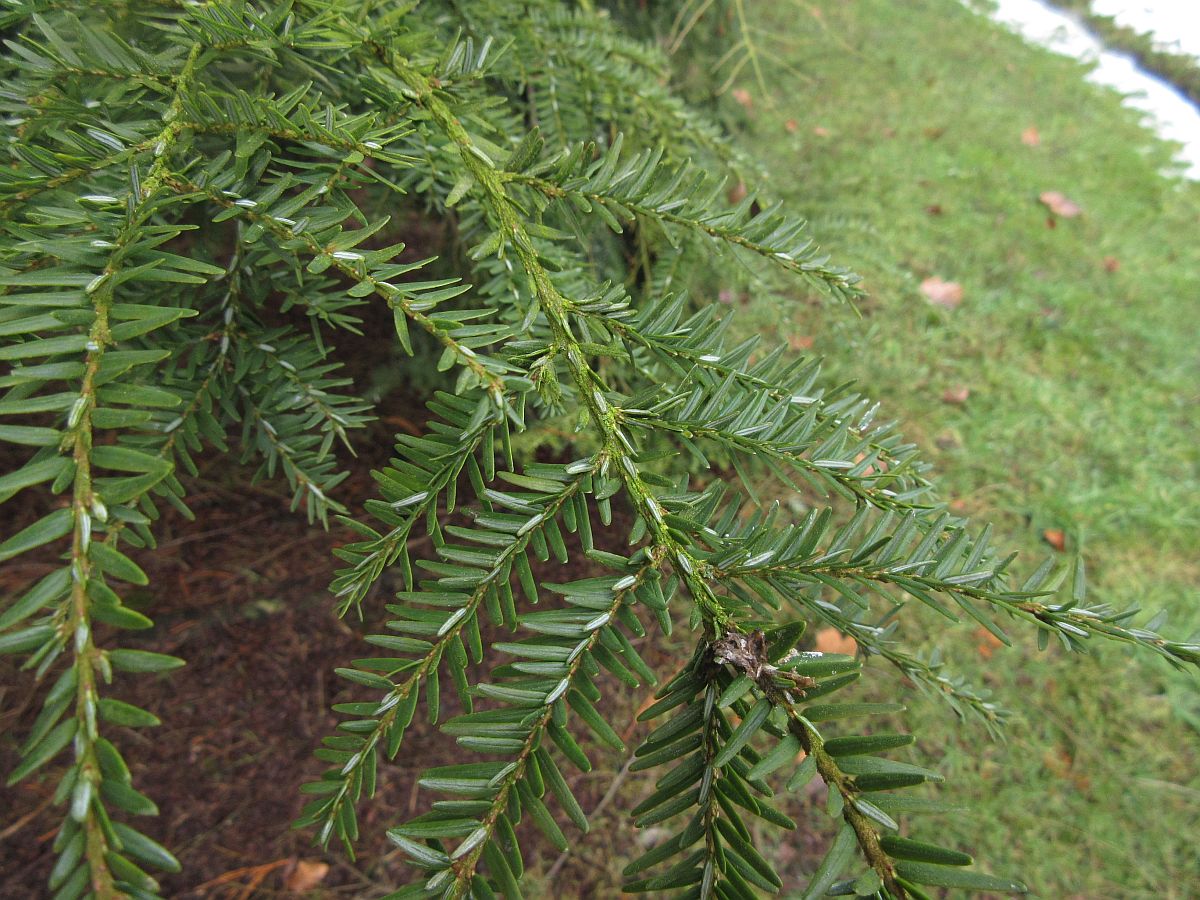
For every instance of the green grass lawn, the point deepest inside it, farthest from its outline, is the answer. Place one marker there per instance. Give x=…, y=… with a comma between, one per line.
x=897, y=128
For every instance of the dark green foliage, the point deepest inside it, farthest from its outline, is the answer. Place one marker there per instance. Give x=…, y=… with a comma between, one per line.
x=181, y=179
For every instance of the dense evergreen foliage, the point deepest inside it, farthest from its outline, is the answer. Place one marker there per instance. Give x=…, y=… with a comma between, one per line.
x=181, y=176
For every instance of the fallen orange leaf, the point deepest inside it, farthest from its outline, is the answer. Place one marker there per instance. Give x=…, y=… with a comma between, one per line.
x=988, y=642
x=742, y=96
x=869, y=470
x=1059, y=204
x=307, y=875
x=1059, y=762
x=1056, y=761
x=1056, y=538
x=956, y=395
x=946, y=294
x=830, y=640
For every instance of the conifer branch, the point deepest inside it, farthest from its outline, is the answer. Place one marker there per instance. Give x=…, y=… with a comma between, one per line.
x=86, y=506
x=394, y=712
x=43, y=184
x=463, y=865
x=397, y=296
x=591, y=390
x=694, y=347
x=268, y=137
x=368, y=559
x=687, y=198
x=865, y=831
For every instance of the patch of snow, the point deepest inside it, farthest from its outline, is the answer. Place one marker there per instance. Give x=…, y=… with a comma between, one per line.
x=1175, y=24
x=1168, y=112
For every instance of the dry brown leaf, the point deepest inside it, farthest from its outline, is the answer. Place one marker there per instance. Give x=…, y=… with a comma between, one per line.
x=956, y=395
x=822, y=132
x=1056, y=538
x=307, y=875
x=869, y=470
x=948, y=440
x=742, y=96
x=988, y=642
x=946, y=294
x=1030, y=137
x=1057, y=761
x=830, y=640
x=1059, y=204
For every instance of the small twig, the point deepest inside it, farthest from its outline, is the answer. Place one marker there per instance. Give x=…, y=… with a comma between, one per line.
x=241, y=525
x=25, y=819
x=257, y=874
